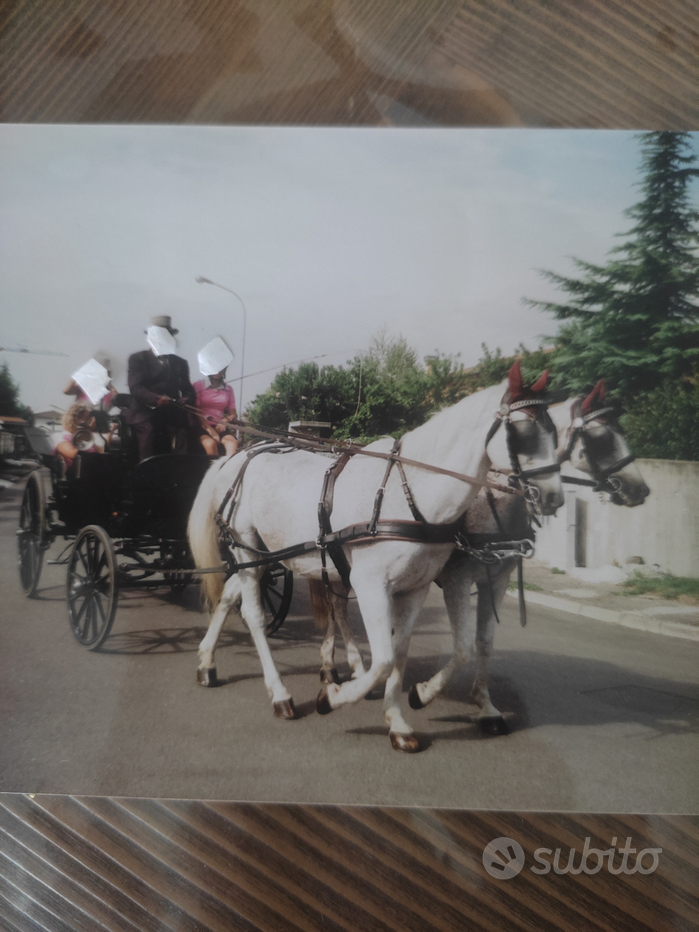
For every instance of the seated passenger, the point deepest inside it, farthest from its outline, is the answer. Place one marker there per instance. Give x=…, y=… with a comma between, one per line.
x=78, y=418
x=216, y=402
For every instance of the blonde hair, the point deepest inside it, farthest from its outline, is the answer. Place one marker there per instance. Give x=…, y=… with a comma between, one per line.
x=78, y=415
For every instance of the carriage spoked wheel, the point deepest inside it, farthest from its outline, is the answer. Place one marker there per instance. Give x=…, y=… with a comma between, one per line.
x=276, y=589
x=92, y=590
x=31, y=535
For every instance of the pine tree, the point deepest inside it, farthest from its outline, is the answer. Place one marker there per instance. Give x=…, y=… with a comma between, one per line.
x=634, y=320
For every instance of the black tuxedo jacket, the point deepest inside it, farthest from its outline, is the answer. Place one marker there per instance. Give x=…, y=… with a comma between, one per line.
x=151, y=376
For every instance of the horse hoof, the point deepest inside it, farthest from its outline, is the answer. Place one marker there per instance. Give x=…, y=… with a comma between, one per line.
x=493, y=725
x=329, y=676
x=323, y=706
x=206, y=676
x=284, y=709
x=414, y=698
x=406, y=743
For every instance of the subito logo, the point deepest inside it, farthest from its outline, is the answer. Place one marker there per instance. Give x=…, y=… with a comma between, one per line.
x=503, y=858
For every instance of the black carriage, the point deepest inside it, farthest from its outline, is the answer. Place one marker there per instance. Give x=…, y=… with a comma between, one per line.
x=125, y=524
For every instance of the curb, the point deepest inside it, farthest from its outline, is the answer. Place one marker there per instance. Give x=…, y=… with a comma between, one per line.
x=675, y=629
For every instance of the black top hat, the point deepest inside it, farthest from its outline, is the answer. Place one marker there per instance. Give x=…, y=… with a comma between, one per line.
x=163, y=320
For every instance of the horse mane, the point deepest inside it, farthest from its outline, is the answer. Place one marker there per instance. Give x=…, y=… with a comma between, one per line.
x=473, y=413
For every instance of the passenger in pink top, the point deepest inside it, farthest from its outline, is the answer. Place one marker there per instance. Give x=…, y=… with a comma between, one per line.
x=216, y=402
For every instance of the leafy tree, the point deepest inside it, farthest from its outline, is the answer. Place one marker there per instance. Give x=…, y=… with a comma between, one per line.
x=383, y=391
x=635, y=318
x=10, y=405
x=391, y=391
x=306, y=393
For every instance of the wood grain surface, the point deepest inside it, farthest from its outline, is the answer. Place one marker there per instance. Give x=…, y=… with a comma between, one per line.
x=69, y=863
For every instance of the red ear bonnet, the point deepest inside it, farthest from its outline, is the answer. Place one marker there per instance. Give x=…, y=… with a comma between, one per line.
x=514, y=382
x=595, y=398
x=541, y=382
x=518, y=391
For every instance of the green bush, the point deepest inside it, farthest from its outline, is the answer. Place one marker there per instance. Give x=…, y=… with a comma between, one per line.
x=664, y=423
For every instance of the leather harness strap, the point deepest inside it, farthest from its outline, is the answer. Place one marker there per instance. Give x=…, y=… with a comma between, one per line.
x=416, y=531
x=325, y=507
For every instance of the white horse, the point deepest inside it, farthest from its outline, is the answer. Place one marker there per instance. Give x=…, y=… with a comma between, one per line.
x=593, y=441
x=275, y=507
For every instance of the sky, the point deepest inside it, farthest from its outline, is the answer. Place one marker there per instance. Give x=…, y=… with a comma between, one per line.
x=327, y=235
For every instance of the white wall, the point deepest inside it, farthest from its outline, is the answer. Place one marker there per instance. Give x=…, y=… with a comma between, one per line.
x=664, y=530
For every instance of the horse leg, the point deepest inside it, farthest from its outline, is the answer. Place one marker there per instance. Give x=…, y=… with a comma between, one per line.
x=376, y=606
x=206, y=671
x=354, y=657
x=489, y=718
x=322, y=616
x=254, y=616
x=456, y=579
x=330, y=614
x=407, y=607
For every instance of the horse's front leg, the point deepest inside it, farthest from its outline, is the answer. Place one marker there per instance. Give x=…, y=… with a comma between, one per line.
x=406, y=609
x=376, y=607
x=456, y=579
x=254, y=616
x=206, y=671
x=490, y=591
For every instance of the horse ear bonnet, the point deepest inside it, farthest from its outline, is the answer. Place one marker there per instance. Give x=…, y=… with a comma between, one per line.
x=518, y=391
x=541, y=382
x=595, y=398
x=514, y=382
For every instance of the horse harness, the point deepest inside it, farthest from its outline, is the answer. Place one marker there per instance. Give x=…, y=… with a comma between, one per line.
x=602, y=480
x=330, y=543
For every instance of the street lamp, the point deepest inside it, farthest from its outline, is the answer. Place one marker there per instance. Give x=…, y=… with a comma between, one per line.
x=207, y=281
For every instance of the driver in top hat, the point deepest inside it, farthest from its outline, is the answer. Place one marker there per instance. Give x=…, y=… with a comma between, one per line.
x=159, y=385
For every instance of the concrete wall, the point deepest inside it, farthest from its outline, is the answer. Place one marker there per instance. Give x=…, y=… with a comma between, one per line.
x=664, y=530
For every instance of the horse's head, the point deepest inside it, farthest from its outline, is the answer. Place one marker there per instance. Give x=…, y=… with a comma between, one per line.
x=527, y=445
x=595, y=444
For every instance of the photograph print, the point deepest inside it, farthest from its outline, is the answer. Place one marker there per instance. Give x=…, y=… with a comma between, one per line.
x=351, y=466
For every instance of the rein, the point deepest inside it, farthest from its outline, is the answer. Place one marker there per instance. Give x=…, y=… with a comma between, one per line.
x=318, y=445
x=417, y=531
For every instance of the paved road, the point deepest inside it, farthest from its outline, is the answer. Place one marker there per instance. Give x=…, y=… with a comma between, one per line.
x=602, y=718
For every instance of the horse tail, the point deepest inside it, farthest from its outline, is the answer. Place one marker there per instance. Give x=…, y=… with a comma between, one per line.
x=320, y=605
x=202, y=532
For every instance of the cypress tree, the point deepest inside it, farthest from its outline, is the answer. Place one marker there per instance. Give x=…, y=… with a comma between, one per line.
x=634, y=320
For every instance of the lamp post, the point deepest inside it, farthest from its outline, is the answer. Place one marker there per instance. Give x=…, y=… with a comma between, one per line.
x=207, y=281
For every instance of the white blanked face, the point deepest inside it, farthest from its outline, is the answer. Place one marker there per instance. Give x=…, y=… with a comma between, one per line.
x=605, y=445
x=533, y=442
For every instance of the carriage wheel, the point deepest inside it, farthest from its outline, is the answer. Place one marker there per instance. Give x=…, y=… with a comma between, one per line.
x=31, y=534
x=276, y=589
x=91, y=586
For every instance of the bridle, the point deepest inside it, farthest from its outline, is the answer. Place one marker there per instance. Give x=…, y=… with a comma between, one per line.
x=603, y=479
x=519, y=478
